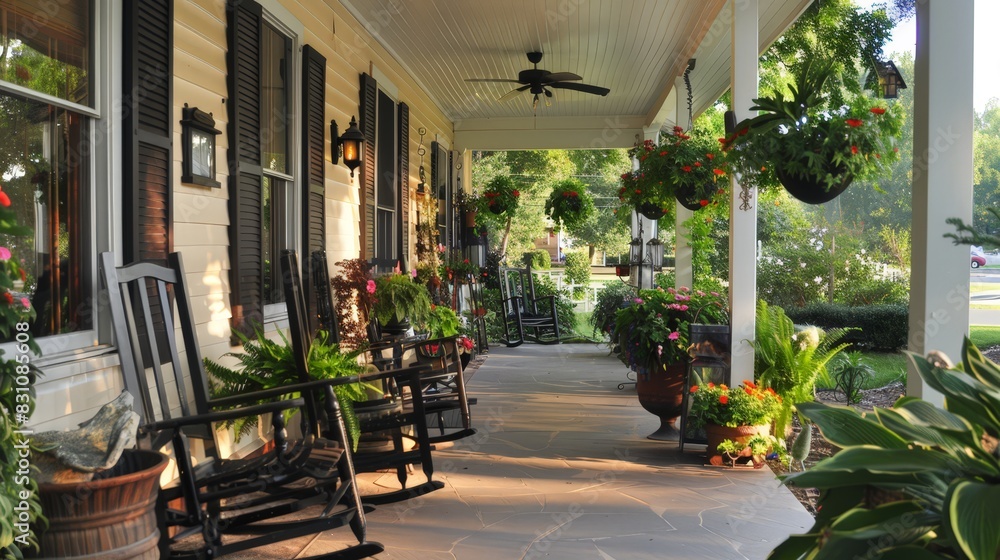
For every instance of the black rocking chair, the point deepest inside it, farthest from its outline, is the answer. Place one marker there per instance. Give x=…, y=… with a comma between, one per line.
x=263, y=499
x=526, y=317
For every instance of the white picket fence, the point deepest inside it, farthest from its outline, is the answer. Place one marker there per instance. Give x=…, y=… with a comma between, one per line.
x=589, y=301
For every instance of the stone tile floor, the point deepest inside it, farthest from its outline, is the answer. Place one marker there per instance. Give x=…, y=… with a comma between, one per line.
x=561, y=469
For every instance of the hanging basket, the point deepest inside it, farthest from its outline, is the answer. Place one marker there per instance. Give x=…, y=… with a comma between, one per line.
x=809, y=191
x=497, y=208
x=651, y=211
x=690, y=196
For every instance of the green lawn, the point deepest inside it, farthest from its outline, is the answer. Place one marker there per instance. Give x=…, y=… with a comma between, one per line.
x=985, y=336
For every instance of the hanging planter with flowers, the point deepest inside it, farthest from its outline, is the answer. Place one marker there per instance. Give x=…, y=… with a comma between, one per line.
x=683, y=168
x=814, y=150
x=569, y=204
x=501, y=196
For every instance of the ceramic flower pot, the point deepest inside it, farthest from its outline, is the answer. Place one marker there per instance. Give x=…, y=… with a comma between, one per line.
x=716, y=434
x=809, y=191
x=470, y=218
x=690, y=197
x=651, y=211
x=661, y=393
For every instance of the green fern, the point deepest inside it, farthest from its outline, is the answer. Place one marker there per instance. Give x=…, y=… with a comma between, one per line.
x=265, y=363
x=791, y=362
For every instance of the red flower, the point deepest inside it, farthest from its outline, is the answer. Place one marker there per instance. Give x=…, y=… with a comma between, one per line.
x=749, y=383
x=854, y=149
x=637, y=191
x=703, y=202
x=4, y=199
x=516, y=193
x=694, y=388
x=686, y=169
x=683, y=136
x=697, y=164
x=748, y=390
x=8, y=298
x=678, y=130
x=724, y=399
x=854, y=123
x=663, y=153
x=718, y=171
x=723, y=387
x=711, y=385
x=877, y=110
x=710, y=156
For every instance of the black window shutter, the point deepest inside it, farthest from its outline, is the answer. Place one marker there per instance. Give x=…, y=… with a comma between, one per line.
x=148, y=79
x=147, y=197
x=369, y=101
x=314, y=166
x=245, y=22
x=403, y=156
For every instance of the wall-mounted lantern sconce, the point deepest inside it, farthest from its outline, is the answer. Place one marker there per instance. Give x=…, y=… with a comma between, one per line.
x=351, y=145
x=198, y=134
x=890, y=79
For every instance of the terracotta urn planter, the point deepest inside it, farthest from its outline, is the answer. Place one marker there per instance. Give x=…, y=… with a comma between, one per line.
x=661, y=393
x=716, y=434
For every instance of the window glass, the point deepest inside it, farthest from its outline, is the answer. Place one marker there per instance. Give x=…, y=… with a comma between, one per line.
x=46, y=47
x=276, y=64
x=275, y=53
x=46, y=179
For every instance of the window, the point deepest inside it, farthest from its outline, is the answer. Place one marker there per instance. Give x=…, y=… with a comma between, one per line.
x=386, y=192
x=278, y=174
x=47, y=127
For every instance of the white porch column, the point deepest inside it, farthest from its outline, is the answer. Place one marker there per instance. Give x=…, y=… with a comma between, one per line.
x=642, y=276
x=683, y=272
x=743, y=223
x=942, y=182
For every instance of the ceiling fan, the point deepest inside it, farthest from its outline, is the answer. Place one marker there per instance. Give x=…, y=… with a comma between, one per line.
x=538, y=82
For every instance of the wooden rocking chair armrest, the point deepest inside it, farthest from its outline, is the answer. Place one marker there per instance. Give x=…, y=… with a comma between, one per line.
x=223, y=415
x=266, y=394
x=411, y=372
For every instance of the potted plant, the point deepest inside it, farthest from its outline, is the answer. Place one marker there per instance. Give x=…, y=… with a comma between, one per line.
x=501, y=196
x=814, y=149
x=468, y=202
x=265, y=363
x=399, y=300
x=569, y=205
x=682, y=167
x=652, y=337
x=737, y=414
x=440, y=322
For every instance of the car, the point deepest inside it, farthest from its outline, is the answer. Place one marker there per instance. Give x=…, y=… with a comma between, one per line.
x=978, y=257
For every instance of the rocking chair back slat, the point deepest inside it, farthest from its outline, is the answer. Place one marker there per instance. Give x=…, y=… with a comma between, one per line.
x=526, y=317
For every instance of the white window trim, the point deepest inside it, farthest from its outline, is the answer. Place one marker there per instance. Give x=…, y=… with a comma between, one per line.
x=103, y=197
x=288, y=25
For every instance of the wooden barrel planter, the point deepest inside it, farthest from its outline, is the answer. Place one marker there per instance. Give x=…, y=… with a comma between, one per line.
x=112, y=517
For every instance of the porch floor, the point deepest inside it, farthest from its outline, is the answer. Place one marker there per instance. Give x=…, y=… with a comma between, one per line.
x=561, y=469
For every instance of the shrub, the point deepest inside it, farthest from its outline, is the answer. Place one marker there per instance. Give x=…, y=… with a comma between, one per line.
x=565, y=311
x=538, y=259
x=881, y=327
x=612, y=297
x=578, y=271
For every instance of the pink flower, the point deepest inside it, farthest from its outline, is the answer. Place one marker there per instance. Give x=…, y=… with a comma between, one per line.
x=674, y=335
x=637, y=301
x=413, y=273
x=26, y=303
x=4, y=254
x=659, y=349
x=370, y=287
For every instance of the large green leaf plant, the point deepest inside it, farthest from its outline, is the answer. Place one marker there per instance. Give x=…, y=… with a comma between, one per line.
x=914, y=482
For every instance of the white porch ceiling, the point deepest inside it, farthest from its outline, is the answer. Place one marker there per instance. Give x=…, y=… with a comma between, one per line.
x=637, y=48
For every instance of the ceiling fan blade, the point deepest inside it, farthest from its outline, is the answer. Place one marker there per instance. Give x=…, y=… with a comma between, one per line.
x=512, y=93
x=561, y=77
x=492, y=80
x=586, y=88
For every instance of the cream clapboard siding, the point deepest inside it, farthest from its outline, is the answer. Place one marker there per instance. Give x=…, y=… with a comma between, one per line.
x=73, y=390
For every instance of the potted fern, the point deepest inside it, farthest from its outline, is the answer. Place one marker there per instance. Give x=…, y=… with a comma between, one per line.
x=266, y=363
x=398, y=301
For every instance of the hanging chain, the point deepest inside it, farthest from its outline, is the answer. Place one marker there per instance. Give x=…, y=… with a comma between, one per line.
x=420, y=152
x=690, y=98
x=745, y=197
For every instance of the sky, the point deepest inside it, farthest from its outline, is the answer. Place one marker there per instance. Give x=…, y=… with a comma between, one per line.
x=986, y=78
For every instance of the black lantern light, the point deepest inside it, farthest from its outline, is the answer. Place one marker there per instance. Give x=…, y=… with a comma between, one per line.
x=635, y=255
x=350, y=145
x=198, y=137
x=655, y=251
x=889, y=79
